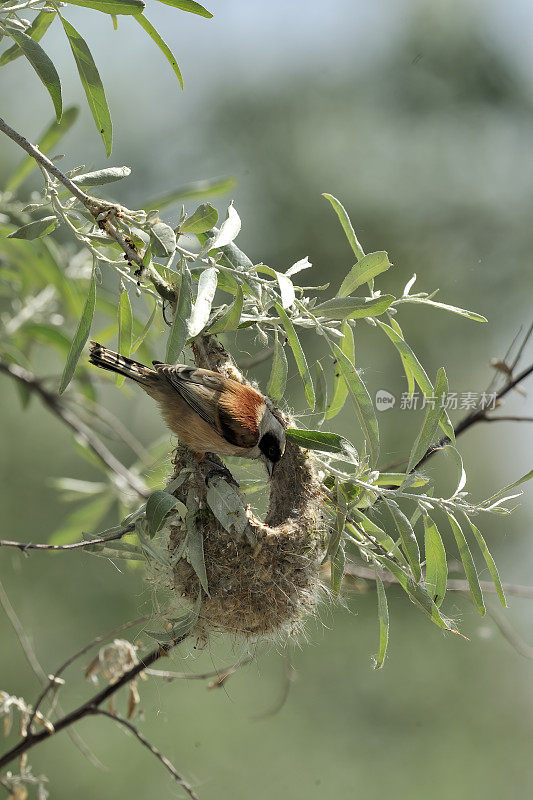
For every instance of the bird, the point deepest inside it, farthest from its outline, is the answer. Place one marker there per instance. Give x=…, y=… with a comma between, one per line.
x=209, y=412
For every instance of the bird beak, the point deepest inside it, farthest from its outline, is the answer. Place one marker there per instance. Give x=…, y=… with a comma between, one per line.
x=270, y=467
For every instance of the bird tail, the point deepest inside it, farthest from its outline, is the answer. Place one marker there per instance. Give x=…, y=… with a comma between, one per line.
x=107, y=359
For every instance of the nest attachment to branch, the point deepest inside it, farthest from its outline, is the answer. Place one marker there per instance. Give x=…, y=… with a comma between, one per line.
x=262, y=577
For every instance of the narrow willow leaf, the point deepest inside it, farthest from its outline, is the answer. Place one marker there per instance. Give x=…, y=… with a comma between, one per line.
x=179, y=332
x=324, y=442
x=303, y=263
x=417, y=593
x=278, y=374
x=111, y=6
x=102, y=176
x=195, y=551
x=468, y=564
x=80, y=337
x=37, y=29
x=428, y=431
x=225, y=503
x=344, y=219
x=142, y=336
x=43, y=66
x=286, y=289
x=227, y=232
x=418, y=372
x=383, y=615
x=336, y=532
x=36, y=229
x=162, y=240
x=125, y=324
x=340, y=387
x=299, y=356
x=202, y=220
x=191, y=191
x=229, y=320
x=463, y=312
x=362, y=403
x=379, y=535
x=160, y=42
x=407, y=370
x=489, y=561
x=157, y=507
x=338, y=562
x=207, y=286
x=436, y=565
x=321, y=391
x=399, y=478
x=83, y=518
x=367, y=268
x=189, y=5
x=52, y=135
x=91, y=82
x=527, y=477
x=353, y=307
x=407, y=535
x=461, y=479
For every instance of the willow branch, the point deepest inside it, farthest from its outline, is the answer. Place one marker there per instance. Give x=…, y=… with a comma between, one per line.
x=74, y=546
x=102, y=212
x=56, y=405
x=153, y=750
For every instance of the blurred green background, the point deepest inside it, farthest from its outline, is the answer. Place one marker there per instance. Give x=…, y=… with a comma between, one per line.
x=420, y=119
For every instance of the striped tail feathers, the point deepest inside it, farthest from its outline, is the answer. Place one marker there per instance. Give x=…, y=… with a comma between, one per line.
x=105, y=358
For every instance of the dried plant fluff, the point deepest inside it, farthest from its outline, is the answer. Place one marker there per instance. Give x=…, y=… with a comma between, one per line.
x=263, y=577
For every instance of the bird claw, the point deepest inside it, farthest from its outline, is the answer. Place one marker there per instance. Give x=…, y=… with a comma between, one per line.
x=219, y=470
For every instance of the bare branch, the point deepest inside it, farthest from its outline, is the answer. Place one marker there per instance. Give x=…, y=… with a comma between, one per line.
x=508, y=419
x=220, y=675
x=74, y=546
x=102, y=212
x=56, y=405
x=154, y=751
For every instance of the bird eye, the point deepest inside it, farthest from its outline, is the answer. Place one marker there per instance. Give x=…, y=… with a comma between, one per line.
x=273, y=454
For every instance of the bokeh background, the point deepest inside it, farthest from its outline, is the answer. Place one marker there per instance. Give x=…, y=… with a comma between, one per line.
x=419, y=117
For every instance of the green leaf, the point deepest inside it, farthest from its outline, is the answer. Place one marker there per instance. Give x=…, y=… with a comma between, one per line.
x=340, y=387
x=299, y=356
x=43, y=66
x=278, y=374
x=527, y=477
x=179, y=332
x=207, y=286
x=162, y=239
x=142, y=336
x=158, y=506
x=225, y=503
x=436, y=565
x=463, y=312
x=202, y=220
x=36, y=229
x=227, y=232
x=160, y=42
x=324, y=442
x=191, y=191
x=80, y=337
x=125, y=324
x=189, y=5
x=338, y=563
x=353, y=307
x=195, y=551
x=367, y=268
x=383, y=615
x=417, y=371
x=111, y=6
x=90, y=78
x=456, y=456
x=417, y=593
x=321, y=391
x=408, y=374
x=229, y=320
x=468, y=564
x=346, y=225
x=407, y=535
x=37, y=29
x=489, y=561
x=428, y=431
x=52, y=135
x=361, y=399
x=102, y=176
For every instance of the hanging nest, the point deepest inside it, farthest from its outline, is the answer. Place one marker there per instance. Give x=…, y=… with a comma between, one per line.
x=262, y=578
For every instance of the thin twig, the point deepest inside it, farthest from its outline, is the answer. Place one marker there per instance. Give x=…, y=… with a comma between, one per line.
x=54, y=403
x=74, y=546
x=220, y=675
x=102, y=212
x=154, y=751
x=508, y=419
x=509, y=633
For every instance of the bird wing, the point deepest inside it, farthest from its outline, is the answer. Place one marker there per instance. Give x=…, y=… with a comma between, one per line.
x=228, y=406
